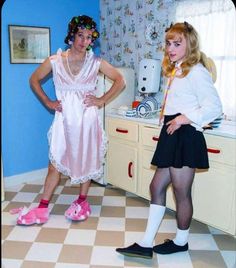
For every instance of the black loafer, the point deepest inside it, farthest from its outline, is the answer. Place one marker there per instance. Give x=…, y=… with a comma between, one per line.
x=136, y=251
x=169, y=247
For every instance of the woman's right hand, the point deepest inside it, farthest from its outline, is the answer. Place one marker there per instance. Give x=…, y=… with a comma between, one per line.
x=176, y=123
x=54, y=105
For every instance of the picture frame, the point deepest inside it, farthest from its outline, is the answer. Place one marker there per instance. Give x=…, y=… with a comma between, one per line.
x=29, y=44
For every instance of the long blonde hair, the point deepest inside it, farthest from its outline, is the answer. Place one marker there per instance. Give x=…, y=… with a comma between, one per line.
x=193, y=53
x=209, y=64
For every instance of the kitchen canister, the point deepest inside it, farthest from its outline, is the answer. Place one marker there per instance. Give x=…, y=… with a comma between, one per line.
x=135, y=103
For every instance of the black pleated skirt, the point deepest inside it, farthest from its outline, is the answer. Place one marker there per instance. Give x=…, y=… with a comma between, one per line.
x=185, y=147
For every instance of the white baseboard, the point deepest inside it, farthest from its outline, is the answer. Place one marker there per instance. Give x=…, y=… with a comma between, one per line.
x=25, y=177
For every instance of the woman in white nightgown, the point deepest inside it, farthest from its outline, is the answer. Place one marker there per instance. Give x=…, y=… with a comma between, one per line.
x=76, y=138
x=77, y=143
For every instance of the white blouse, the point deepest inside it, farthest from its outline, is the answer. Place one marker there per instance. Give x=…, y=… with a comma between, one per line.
x=194, y=96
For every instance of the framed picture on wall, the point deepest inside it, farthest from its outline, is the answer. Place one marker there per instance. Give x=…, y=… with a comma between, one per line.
x=28, y=44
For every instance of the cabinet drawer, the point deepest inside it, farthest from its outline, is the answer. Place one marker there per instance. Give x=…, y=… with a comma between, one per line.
x=123, y=130
x=149, y=136
x=221, y=149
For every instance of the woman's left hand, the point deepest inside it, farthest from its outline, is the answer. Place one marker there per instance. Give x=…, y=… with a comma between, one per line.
x=176, y=123
x=91, y=100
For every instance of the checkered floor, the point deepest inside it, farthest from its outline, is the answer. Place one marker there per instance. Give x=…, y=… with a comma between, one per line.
x=118, y=218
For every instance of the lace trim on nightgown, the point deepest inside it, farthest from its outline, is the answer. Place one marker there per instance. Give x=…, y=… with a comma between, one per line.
x=92, y=176
x=75, y=88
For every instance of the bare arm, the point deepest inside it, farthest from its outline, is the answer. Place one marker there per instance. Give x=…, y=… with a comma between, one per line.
x=118, y=85
x=35, y=81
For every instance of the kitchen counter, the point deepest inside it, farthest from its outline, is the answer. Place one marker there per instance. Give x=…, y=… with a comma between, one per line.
x=226, y=129
x=132, y=142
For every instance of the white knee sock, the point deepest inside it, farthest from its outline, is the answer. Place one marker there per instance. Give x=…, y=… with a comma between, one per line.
x=181, y=237
x=155, y=217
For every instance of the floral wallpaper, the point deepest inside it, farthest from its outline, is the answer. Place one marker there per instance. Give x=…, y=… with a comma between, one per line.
x=133, y=30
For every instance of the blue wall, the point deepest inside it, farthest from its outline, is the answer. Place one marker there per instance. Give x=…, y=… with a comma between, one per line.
x=25, y=121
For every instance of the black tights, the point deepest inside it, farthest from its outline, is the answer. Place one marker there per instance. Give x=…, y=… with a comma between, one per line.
x=181, y=180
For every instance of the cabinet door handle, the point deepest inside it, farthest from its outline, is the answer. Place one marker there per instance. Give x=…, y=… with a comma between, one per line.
x=121, y=130
x=213, y=151
x=129, y=169
x=155, y=138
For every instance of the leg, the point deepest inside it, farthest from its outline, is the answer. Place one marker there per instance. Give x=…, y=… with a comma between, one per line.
x=158, y=188
x=51, y=182
x=182, y=179
x=40, y=214
x=84, y=187
x=80, y=208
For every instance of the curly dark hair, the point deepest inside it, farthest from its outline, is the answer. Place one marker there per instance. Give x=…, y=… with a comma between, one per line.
x=83, y=22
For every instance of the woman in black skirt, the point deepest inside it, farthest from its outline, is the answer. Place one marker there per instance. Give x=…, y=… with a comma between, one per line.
x=191, y=102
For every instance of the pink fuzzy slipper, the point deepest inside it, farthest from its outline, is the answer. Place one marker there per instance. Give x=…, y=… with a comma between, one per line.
x=31, y=216
x=78, y=212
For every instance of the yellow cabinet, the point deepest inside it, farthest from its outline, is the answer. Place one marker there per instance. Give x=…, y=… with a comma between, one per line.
x=122, y=155
x=214, y=197
x=130, y=151
x=214, y=190
x=122, y=165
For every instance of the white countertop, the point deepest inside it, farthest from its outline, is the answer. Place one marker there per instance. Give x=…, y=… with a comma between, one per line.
x=226, y=128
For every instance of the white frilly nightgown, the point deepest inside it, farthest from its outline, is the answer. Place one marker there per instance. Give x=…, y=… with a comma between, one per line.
x=77, y=141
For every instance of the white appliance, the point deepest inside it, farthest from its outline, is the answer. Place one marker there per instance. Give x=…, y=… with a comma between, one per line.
x=149, y=76
x=126, y=97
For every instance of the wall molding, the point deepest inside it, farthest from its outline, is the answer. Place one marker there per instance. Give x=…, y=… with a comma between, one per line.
x=25, y=177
